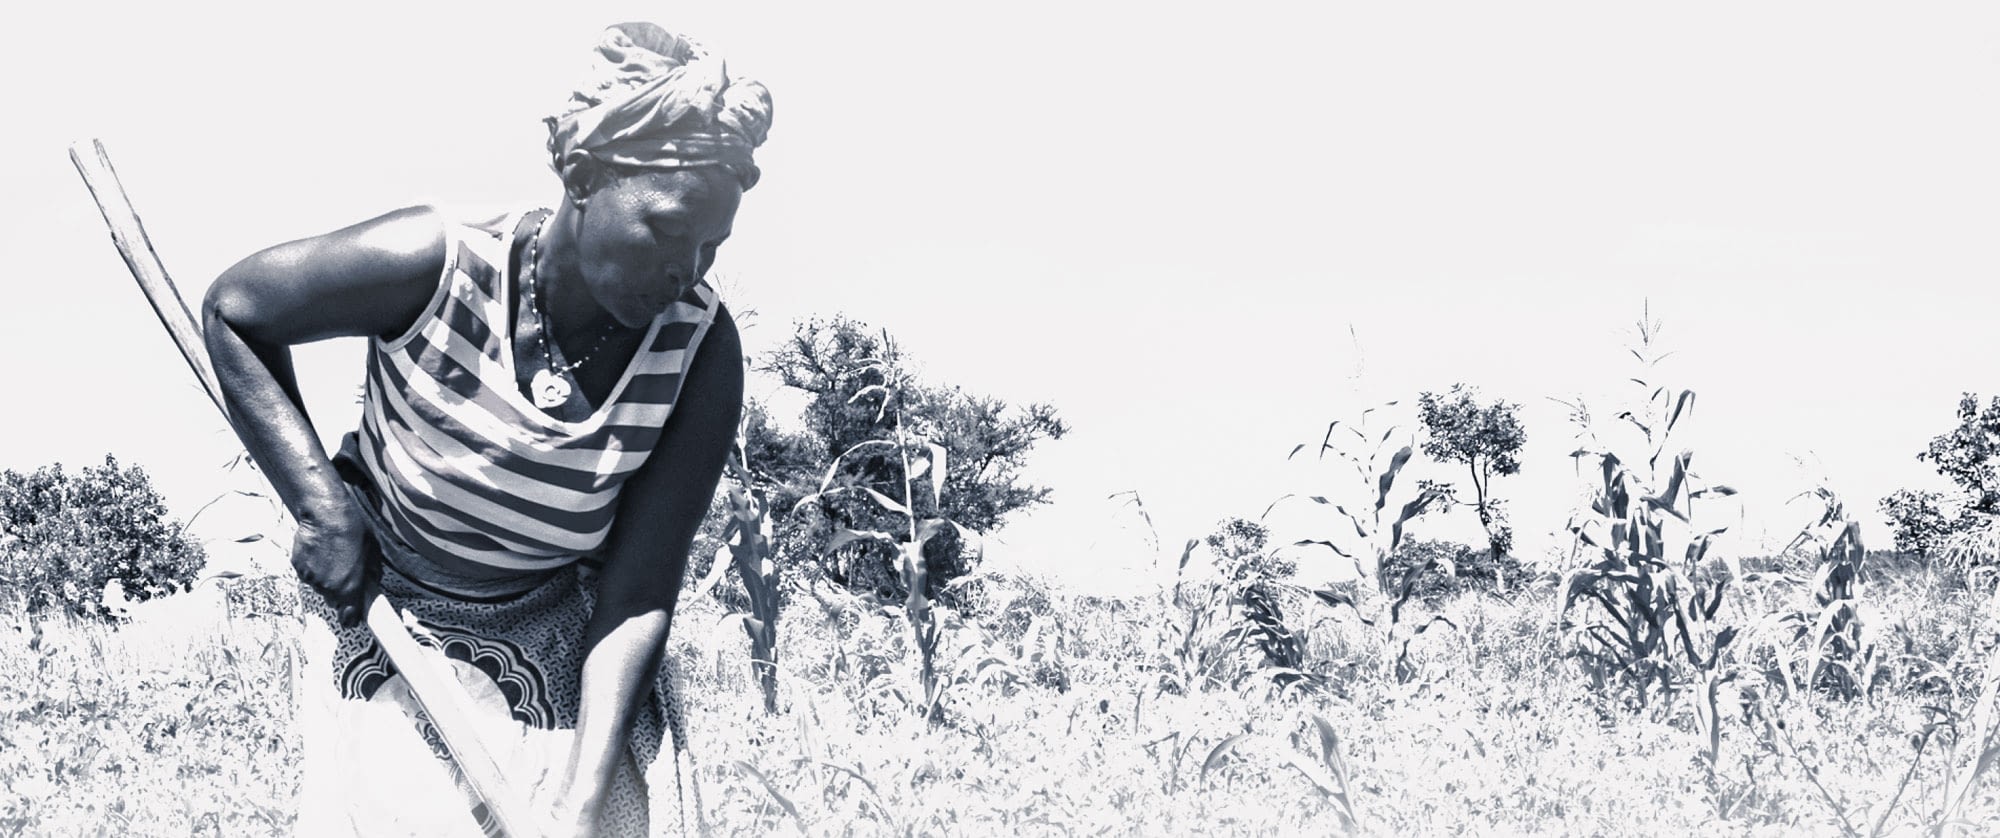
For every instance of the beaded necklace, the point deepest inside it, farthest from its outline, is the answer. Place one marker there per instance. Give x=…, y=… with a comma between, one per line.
x=549, y=386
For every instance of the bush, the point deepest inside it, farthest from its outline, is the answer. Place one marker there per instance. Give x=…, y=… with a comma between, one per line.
x=65, y=537
x=1919, y=522
x=1473, y=569
x=1239, y=546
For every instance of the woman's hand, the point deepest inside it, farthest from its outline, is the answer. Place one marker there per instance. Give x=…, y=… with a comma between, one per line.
x=330, y=552
x=572, y=811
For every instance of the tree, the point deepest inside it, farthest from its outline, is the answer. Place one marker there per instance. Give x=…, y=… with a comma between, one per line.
x=1965, y=453
x=1486, y=439
x=1920, y=519
x=64, y=537
x=842, y=365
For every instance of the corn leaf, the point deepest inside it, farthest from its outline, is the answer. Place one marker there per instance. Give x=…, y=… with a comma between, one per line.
x=1222, y=752
x=1389, y=477
x=843, y=537
x=938, y=471
x=887, y=502
x=770, y=788
x=834, y=468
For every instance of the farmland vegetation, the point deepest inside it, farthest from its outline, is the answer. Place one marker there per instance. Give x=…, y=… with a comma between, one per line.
x=853, y=669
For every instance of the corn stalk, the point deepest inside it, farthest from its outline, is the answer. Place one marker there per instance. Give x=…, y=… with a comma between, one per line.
x=1378, y=527
x=1839, y=648
x=1656, y=608
x=918, y=458
x=748, y=535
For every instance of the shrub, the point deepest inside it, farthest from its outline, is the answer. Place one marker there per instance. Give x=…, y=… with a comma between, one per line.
x=1918, y=520
x=65, y=537
x=1470, y=569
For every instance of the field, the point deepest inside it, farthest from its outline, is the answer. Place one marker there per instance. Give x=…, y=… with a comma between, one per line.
x=1064, y=714
x=1640, y=681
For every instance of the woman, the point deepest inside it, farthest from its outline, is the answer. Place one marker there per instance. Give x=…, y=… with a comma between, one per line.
x=549, y=403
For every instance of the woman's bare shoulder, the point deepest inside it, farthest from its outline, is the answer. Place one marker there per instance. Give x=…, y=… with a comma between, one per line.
x=373, y=277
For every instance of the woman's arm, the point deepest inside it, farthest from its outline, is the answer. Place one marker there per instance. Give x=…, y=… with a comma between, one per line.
x=659, y=511
x=373, y=278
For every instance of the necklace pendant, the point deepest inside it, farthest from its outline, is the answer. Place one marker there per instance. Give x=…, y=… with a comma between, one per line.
x=550, y=390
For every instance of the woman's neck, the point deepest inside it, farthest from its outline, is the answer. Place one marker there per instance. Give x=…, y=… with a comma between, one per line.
x=559, y=286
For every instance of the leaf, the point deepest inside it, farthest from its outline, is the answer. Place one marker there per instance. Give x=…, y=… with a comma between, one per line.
x=1335, y=599
x=1410, y=511
x=716, y=567
x=870, y=390
x=938, y=460
x=887, y=501
x=770, y=788
x=1389, y=477
x=1359, y=530
x=1222, y=751
x=843, y=537
x=1309, y=542
x=253, y=537
x=1329, y=743
x=1680, y=406
x=1674, y=480
x=833, y=468
x=1186, y=553
x=1326, y=784
x=1665, y=506
x=1434, y=620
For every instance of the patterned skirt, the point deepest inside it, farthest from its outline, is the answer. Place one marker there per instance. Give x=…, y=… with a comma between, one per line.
x=375, y=765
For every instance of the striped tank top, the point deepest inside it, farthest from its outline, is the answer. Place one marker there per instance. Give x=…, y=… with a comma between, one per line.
x=464, y=469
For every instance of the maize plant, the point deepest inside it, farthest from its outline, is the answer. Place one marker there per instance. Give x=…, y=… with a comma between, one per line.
x=917, y=458
x=749, y=537
x=1198, y=650
x=1322, y=765
x=1840, y=649
x=1972, y=756
x=1378, y=531
x=1264, y=629
x=1656, y=603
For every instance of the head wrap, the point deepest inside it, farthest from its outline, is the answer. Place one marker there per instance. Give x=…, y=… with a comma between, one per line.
x=657, y=100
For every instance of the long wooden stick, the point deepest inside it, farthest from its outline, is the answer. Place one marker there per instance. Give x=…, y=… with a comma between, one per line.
x=440, y=694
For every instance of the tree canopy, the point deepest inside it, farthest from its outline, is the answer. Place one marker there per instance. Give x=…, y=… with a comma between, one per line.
x=1926, y=522
x=65, y=536
x=859, y=388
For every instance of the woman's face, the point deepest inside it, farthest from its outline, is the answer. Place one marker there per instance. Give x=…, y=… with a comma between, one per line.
x=644, y=239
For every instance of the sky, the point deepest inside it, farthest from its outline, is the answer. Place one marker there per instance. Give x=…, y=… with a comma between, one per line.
x=1202, y=232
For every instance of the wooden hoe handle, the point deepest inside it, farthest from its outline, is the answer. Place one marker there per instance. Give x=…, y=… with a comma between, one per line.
x=436, y=689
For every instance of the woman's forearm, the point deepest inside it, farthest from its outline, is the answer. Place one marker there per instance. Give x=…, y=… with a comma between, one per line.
x=622, y=650
x=262, y=397
x=261, y=394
